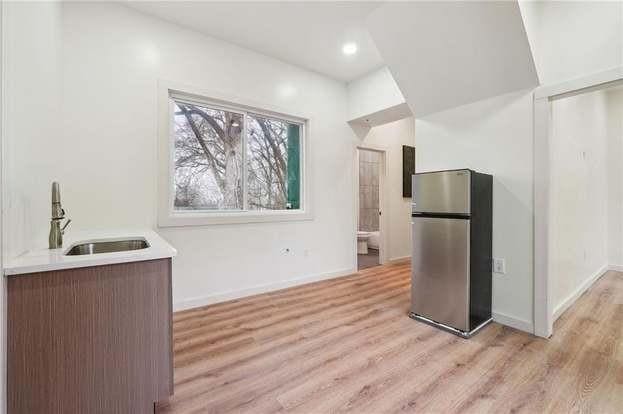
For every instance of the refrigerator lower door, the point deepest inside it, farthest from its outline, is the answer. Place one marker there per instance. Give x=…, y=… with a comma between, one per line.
x=440, y=270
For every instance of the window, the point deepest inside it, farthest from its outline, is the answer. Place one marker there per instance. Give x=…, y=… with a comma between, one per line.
x=273, y=164
x=208, y=158
x=230, y=161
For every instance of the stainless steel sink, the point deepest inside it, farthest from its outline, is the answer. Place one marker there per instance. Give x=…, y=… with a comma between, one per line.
x=107, y=247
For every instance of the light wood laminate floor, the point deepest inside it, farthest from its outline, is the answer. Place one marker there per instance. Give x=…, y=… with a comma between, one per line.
x=347, y=345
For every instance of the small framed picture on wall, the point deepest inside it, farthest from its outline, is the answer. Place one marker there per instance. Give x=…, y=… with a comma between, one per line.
x=408, y=169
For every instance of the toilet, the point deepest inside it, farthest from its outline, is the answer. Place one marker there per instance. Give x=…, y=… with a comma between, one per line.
x=362, y=242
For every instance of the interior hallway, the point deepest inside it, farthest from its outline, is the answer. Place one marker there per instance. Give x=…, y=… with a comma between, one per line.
x=347, y=345
x=370, y=259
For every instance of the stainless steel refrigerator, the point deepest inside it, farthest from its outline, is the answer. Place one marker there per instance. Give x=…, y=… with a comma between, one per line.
x=452, y=260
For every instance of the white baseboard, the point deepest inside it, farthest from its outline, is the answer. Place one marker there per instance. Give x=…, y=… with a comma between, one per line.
x=513, y=322
x=616, y=268
x=255, y=290
x=398, y=259
x=570, y=300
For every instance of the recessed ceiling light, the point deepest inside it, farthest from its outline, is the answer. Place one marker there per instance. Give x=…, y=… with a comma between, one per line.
x=349, y=48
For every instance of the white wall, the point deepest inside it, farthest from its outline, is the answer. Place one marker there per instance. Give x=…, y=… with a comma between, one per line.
x=33, y=119
x=615, y=177
x=372, y=93
x=578, y=195
x=570, y=39
x=3, y=285
x=493, y=136
x=392, y=137
x=105, y=156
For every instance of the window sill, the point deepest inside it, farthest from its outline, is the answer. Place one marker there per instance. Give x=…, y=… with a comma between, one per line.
x=187, y=219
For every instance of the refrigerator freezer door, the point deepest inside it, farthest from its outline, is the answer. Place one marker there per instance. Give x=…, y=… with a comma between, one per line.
x=442, y=192
x=440, y=277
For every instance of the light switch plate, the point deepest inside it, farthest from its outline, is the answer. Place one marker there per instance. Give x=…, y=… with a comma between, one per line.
x=499, y=266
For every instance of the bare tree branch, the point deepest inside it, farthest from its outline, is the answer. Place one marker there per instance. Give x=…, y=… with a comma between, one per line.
x=214, y=163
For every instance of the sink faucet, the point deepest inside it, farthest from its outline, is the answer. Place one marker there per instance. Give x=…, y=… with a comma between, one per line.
x=58, y=214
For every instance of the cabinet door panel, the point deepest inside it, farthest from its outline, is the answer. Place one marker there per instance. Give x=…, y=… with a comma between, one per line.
x=90, y=340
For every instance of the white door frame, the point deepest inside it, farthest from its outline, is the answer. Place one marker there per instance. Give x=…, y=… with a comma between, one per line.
x=383, y=223
x=543, y=97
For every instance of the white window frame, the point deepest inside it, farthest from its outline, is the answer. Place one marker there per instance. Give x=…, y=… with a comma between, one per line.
x=167, y=215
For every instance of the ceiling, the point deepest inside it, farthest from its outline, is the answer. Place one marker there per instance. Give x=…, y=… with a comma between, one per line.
x=307, y=34
x=441, y=66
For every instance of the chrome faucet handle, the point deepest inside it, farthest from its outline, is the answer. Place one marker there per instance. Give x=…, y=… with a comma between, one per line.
x=65, y=225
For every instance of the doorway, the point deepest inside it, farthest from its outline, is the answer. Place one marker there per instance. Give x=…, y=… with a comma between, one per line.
x=578, y=196
x=370, y=181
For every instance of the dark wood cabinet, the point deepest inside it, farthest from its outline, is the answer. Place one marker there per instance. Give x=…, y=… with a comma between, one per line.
x=90, y=340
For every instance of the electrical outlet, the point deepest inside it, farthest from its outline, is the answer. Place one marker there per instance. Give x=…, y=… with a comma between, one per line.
x=499, y=266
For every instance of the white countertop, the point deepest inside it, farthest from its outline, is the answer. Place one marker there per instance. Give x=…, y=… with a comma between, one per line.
x=44, y=260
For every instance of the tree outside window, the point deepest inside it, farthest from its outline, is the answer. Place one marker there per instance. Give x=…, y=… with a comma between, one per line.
x=228, y=160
